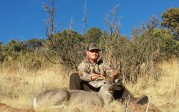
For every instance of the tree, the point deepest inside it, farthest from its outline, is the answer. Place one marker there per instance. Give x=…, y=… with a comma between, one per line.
x=84, y=19
x=14, y=46
x=93, y=35
x=112, y=22
x=50, y=30
x=170, y=19
x=34, y=43
x=50, y=21
x=69, y=49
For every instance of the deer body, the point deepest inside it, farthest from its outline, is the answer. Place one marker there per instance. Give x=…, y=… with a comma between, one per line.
x=85, y=99
x=51, y=98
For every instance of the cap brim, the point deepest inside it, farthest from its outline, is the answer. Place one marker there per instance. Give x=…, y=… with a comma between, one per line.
x=94, y=49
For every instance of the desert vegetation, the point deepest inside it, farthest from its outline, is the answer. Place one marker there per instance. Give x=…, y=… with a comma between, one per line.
x=150, y=59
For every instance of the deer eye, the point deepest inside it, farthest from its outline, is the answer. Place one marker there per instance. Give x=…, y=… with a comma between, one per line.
x=104, y=82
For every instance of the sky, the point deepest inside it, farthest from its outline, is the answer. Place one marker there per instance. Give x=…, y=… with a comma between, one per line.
x=25, y=19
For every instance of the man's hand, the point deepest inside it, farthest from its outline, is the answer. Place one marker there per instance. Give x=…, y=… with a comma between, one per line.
x=94, y=76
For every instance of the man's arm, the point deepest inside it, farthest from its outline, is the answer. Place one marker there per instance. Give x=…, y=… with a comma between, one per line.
x=84, y=75
x=82, y=70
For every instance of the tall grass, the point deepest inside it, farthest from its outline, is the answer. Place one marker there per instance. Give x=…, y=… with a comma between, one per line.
x=20, y=86
x=164, y=91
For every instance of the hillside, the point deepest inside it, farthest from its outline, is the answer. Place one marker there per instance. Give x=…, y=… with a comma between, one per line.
x=20, y=86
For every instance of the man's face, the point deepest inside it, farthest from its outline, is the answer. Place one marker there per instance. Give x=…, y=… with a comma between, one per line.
x=93, y=54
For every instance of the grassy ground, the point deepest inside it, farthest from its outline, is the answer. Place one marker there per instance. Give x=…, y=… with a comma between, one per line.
x=164, y=92
x=18, y=87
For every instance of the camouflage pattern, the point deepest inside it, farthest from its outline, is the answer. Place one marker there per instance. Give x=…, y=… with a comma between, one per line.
x=85, y=69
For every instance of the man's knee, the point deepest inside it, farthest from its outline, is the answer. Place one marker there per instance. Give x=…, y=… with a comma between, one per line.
x=75, y=82
x=74, y=76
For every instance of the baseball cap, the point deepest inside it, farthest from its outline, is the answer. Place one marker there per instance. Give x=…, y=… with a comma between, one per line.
x=92, y=46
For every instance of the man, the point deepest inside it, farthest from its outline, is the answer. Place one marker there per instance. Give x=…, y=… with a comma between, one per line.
x=92, y=70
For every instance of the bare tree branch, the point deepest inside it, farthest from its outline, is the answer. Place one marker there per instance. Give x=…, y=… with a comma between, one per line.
x=84, y=19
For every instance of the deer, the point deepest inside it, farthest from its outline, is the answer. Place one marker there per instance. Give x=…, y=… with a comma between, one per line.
x=57, y=98
x=53, y=98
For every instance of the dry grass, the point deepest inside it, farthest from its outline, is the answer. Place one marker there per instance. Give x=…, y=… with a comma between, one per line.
x=163, y=92
x=20, y=86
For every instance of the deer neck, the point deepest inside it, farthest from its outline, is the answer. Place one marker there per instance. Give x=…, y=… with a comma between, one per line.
x=105, y=95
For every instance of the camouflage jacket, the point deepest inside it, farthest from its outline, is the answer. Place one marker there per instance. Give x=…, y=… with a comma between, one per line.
x=85, y=69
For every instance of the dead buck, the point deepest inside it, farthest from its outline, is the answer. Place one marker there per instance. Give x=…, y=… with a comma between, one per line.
x=60, y=97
